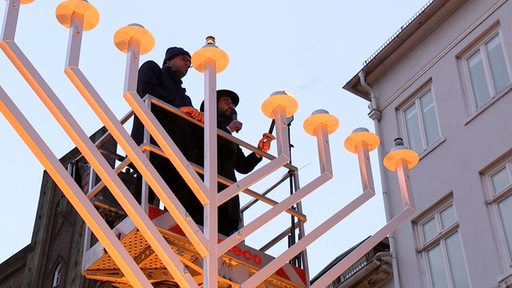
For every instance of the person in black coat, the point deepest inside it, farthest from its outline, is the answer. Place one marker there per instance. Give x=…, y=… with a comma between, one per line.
x=165, y=84
x=231, y=158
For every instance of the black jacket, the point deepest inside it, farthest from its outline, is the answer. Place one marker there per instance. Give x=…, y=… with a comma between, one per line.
x=231, y=158
x=165, y=85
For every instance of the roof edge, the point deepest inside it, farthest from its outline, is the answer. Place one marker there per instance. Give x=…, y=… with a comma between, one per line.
x=416, y=30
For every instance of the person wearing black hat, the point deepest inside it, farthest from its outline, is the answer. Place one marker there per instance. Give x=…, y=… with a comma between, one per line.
x=165, y=84
x=231, y=158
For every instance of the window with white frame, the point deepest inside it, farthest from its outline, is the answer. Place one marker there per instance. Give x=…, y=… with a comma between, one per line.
x=440, y=249
x=421, y=125
x=487, y=70
x=499, y=186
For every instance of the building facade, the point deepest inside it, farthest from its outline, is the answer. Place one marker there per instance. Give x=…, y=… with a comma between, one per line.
x=443, y=84
x=54, y=256
x=372, y=270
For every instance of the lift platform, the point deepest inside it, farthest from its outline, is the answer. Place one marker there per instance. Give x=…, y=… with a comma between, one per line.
x=235, y=266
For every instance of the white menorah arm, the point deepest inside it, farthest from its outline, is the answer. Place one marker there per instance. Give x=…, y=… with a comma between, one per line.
x=97, y=188
x=124, y=140
x=96, y=160
x=321, y=130
x=165, y=142
x=223, y=195
x=73, y=193
x=400, y=160
x=210, y=60
x=90, y=152
x=336, y=218
x=401, y=167
x=167, y=145
x=174, y=154
x=273, y=212
x=283, y=157
x=258, y=174
x=362, y=249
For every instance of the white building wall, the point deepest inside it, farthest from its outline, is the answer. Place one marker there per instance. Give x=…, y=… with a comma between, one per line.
x=470, y=142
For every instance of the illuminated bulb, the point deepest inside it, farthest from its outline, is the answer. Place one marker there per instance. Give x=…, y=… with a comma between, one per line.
x=134, y=32
x=361, y=136
x=210, y=52
x=400, y=153
x=281, y=99
x=321, y=117
x=67, y=9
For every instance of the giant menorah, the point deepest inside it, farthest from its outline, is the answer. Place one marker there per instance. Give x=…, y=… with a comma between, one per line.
x=134, y=40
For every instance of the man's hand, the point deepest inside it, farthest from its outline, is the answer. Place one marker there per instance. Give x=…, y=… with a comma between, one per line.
x=234, y=126
x=194, y=113
x=264, y=144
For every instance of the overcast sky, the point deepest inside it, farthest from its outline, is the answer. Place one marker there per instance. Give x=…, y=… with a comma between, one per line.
x=310, y=49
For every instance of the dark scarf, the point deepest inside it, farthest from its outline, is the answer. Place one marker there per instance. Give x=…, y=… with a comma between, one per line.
x=175, y=78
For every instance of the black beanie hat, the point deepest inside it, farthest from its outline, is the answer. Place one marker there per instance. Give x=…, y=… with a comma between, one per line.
x=173, y=52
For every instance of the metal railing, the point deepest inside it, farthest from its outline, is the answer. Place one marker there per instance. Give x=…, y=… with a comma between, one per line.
x=122, y=165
